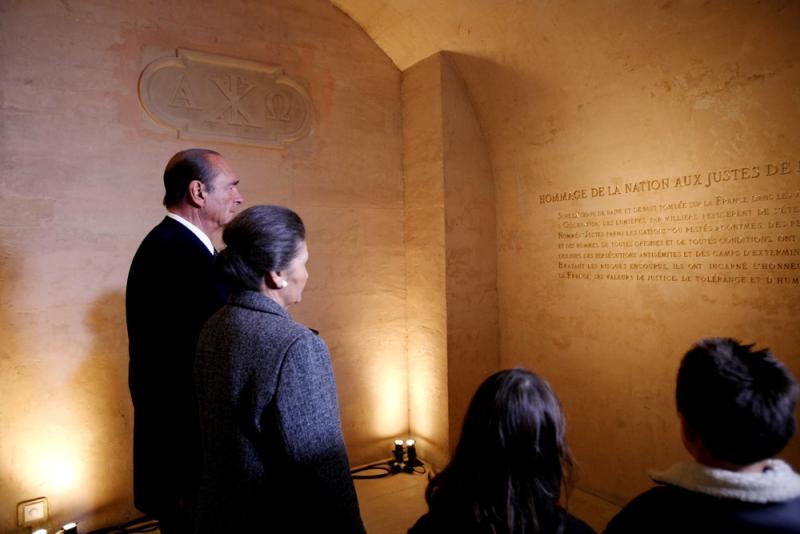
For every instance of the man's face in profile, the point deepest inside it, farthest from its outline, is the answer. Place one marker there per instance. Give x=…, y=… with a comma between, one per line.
x=222, y=197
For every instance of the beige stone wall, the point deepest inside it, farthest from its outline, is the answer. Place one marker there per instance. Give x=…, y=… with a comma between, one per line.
x=569, y=98
x=471, y=288
x=684, y=91
x=451, y=261
x=690, y=90
x=584, y=96
x=426, y=267
x=81, y=186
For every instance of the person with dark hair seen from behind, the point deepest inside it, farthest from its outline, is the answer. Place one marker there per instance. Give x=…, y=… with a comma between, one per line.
x=171, y=291
x=274, y=455
x=509, y=465
x=736, y=408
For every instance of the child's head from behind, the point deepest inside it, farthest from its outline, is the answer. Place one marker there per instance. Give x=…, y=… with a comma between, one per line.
x=514, y=430
x=738, y=402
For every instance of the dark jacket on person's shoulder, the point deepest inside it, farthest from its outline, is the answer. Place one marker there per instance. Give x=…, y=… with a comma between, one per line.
x=697, y=499
x=274, y=458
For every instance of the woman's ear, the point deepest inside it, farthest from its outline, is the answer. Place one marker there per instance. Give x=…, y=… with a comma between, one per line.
x=274, y=280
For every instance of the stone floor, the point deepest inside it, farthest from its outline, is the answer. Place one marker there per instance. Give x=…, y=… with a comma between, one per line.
x=392, y=505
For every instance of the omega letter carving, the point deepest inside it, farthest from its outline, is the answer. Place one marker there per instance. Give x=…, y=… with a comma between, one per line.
x=205, y=96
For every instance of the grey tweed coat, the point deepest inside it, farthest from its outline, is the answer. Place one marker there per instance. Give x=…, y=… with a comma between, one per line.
x=274, y=459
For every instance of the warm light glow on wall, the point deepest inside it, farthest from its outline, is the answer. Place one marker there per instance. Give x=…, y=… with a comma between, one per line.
x=62, y=472
x=52, y=466
x=427, y=365
x=427, y=389
x=389, y=402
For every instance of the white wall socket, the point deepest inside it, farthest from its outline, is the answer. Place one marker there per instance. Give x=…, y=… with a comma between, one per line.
x=32, y=511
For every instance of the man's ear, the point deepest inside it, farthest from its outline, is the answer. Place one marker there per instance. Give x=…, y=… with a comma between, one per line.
x=197, y=193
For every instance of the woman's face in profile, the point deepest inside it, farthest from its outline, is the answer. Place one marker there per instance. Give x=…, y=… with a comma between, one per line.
x=296, y=276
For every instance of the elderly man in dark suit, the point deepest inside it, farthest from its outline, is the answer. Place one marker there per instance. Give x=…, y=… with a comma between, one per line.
x=172, y=290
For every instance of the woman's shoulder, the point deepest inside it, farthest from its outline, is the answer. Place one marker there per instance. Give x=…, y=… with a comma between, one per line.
x=285, y=331
x=304, y=339
x=252, y=307
x=261, y=325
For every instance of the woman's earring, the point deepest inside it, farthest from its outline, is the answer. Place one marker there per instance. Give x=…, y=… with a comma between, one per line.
x=283, y=283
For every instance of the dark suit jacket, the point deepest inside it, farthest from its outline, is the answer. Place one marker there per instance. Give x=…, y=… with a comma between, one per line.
x=274, y=456
x=172, y=290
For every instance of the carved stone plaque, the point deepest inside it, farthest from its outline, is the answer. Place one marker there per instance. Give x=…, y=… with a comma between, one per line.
x=205, y=96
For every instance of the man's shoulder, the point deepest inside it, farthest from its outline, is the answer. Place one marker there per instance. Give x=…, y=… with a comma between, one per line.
x=170, y=231
x=170, y=238
x=168, y=254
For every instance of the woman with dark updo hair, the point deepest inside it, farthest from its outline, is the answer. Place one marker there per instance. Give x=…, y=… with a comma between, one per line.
x=273, y=454
x=508, y=467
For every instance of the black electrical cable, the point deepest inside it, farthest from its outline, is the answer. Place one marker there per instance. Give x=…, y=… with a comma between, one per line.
x=385, y=469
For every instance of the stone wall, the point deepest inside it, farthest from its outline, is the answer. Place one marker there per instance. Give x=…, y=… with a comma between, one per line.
x=645, y=156
x=81, y=180
x=451, y=260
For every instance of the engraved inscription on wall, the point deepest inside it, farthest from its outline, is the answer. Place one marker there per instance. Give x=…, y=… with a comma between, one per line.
x=712, y=237
x=206, y=96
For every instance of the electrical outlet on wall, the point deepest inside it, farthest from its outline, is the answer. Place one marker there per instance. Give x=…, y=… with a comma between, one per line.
x=32, y=511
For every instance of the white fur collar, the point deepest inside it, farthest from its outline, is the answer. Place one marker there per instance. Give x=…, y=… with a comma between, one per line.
x=777, y=483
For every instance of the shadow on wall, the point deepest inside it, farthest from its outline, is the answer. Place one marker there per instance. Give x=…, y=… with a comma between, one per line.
x=510, y=95
x=101, y=395
x=516, y=128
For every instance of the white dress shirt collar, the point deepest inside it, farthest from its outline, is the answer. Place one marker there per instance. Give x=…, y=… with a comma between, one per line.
x=195, y=230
